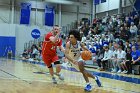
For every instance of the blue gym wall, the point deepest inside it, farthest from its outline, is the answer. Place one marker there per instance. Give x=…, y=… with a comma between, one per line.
x=5, y=43
x=7, y=39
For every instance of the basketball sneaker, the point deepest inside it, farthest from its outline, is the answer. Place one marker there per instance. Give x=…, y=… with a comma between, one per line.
x=88, y=87
x=61, y=77
x=98, y=81
x=54, y=80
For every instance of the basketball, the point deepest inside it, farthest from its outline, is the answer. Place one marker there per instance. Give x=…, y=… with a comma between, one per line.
x=86, y=55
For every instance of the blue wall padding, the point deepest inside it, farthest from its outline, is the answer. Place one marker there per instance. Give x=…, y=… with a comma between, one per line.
x=137, y=5
x=7, y=43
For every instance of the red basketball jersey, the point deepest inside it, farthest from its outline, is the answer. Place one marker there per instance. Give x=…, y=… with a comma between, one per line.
x=50, y=47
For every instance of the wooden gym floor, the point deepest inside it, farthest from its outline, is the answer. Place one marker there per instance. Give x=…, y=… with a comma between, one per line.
x=17, y=76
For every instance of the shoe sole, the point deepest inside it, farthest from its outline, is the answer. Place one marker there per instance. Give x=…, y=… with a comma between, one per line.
x=100, y=85
x=61, y=79
x=98, y=80
x=54, y=82
x=87, y=90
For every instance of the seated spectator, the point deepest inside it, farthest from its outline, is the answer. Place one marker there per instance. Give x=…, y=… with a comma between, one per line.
x=134, y=43
x=114, y=57
x=135, y=56
x=25, y=54
x=106, y=58
x=128, y=34
x=136, y=20
x=121, y=44
x=127, y=63
x=117, y=35
x=34, y=51
x=40, y=47
x=9, y=52
x=127, y=45
x=124, y=33
x=100, y=56
x=133, y=30
x=120, y=58
x=92, y=48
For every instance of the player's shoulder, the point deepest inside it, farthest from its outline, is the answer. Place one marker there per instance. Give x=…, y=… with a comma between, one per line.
x=49, y=33
x=81, y=43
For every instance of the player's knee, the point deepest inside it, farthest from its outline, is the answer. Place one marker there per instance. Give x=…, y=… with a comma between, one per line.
x=57, y=62
x=50, y=66
x=81, y=66
x=81, y=69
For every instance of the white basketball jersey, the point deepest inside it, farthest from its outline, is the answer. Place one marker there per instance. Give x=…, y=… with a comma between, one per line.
x=74, y=51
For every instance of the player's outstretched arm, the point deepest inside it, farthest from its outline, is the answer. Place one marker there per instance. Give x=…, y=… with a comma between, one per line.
x=62, y=48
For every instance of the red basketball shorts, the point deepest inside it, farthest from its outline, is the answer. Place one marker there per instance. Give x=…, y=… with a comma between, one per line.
x=48, y=60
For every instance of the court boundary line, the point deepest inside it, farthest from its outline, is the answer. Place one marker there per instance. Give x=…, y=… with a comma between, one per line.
x=15, y=76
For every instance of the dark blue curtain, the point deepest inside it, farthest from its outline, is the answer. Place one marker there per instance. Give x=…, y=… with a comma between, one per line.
x=96, y=2
x=25, y=13
x=49, y=16
x=137, y=5
x=102, y=1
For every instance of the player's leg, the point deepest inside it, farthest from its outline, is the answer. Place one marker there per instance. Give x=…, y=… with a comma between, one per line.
x=87, y=74
x=47, y=61
x=58, y=70
x=58, y=67
x=88, y=86
x=124, y=68
x=52, y=74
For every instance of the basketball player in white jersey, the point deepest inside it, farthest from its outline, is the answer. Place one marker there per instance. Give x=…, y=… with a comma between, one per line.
x=72, y=53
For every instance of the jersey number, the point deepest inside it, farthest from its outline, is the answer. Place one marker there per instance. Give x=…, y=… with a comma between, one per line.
x=75, y=54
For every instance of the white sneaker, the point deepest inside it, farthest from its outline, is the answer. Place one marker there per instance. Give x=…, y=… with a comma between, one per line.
x=54, y=80
x=119, y=71
x=61, y=77
x=65, y=65
x=123, y=72
x=113, y=71
x=98, y=68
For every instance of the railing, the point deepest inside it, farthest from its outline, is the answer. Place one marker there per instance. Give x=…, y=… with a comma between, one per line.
x=65, y=30
x=4, y=19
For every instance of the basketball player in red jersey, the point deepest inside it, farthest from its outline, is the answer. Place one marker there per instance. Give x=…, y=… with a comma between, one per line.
x=49, y=55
